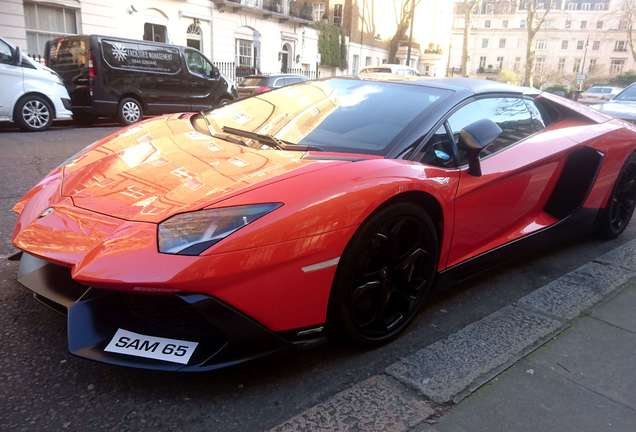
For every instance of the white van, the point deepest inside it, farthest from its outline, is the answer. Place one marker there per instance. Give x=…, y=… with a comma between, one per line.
x=31, y=94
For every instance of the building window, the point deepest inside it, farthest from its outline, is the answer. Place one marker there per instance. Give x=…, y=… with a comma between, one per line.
x=44, y=22
x=616, y=66
x=592, y=67
x=482, y=63
x=568, y=24
x=155, y=32
x=564, y=44
x=580, y=45
x=487, y=23
x=484, y=43
x=583, y=25
x=622, y=24
x=542, y=44
x=193, y=36
x=318, y=11
x=561, y=67
x=571, y=6
x=599, y=25
x=522, y=24
x=367, y=61
x=500, y=61
x=620, y=45
x=577, y=65
x=337, y=14
x=539, y=65
x=502, y=43
x=596, y=45
x=355, y=64
x=517, y=64
x=245, y=53
x=504, y=24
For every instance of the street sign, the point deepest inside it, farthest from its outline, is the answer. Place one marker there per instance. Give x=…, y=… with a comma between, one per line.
x=580, y=77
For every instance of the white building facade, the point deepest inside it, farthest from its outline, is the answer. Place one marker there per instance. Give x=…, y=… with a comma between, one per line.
x=263, y=35
x=584, y=38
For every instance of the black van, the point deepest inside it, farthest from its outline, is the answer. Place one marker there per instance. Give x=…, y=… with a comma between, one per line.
x=125, y=79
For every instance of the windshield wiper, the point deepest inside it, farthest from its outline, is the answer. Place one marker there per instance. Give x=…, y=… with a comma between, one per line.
x=221, y=136
x=268, y=140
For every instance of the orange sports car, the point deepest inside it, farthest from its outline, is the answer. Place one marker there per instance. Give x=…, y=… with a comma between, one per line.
x=196, y=241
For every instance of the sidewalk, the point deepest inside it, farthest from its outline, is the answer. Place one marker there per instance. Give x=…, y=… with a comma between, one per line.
x=583, y=380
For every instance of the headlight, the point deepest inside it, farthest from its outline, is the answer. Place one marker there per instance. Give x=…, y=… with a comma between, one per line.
x=193, y=233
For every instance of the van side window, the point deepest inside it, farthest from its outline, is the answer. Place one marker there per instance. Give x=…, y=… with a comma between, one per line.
x=198, y=64
x=510, y=113
x=6, y=55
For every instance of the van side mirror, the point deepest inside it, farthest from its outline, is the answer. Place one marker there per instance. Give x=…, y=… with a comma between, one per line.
x=17, y=56
x=214, y=73
x=474, y=138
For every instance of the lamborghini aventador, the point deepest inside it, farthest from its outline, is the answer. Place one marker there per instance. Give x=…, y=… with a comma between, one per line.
x=327, y=208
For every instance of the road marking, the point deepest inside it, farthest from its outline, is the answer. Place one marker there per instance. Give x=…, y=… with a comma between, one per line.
x=321, y=265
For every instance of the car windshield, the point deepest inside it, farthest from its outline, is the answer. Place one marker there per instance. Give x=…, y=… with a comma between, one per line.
x=629, y=94
x=340, y=115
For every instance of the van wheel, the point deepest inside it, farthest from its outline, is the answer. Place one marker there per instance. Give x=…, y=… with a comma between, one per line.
x=33, y=113
x=129, y=111
x=224, y=101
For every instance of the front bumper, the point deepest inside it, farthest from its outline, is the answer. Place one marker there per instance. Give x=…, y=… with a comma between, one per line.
x=225, y=336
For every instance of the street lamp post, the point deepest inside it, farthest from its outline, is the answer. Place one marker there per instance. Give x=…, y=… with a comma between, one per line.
x=408, y=53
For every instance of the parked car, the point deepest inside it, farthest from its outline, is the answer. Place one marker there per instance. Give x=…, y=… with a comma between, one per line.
x=329, y=207
x=257, y=84
x=388, y=70
x=125, y=79
x=622, y=106
x=596, y=94
x=32, y=95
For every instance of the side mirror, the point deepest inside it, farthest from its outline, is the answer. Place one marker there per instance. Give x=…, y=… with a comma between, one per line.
x=214, y=73
x=17, y=56
x=474, y=138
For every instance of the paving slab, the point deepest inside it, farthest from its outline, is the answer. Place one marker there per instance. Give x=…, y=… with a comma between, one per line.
x=624, y=256
x=449, y=368
x=527, y=398
x=596, y=355
x=566, y=297
x=376, y=404
x=619, y=311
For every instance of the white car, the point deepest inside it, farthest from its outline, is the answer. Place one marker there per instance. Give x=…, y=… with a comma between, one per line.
x=596, y=94
x=32, y=95
x=387, y=71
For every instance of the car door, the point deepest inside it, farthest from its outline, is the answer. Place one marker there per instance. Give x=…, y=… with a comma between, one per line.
x=11, y=77
x=518, y=172
x=204, y=80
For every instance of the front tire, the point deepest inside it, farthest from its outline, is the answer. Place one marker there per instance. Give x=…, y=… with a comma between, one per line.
x=384, y=275
x=614, y=218
x=129, y=111
x=33, y=113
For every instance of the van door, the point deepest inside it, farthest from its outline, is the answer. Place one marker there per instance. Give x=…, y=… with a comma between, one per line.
x=205, y=80
x=11, y=80
x=69, y=57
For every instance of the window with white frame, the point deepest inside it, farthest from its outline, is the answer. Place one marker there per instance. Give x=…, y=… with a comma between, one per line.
x=592, y=67
x=583, y=25
x=522, y=23
x=44, y=22
x=155, y=32
x=502, y=43
x=318, y=10
x=561, y=66
x=576, y=68
x=517, y=64
x=487, y=23
x=616, y=66
x=244, y=53
x=337, y=14
x=564, y=44
x=504, y=24
x=482, y=62
x=193, y=36
x=596, y=45
x=620, y=45
x=599, y=25
x=580, y=45
x=484, y=43
x=542, y=44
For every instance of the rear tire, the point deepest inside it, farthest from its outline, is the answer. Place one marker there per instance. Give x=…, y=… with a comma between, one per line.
x=129, y=111
x=384, y=275
x=614, y=218
x=33, y=113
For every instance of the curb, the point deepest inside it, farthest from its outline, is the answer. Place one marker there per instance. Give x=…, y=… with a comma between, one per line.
x=416, y=387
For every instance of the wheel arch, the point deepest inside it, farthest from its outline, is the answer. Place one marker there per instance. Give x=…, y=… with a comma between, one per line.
x=132, y=95
x=33, y=93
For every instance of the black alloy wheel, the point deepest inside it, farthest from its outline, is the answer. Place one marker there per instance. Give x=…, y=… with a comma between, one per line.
x=620, y=208
x=385, y=274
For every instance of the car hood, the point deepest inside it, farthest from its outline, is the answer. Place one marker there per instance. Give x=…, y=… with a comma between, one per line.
x=622, y=110
x=163, y=166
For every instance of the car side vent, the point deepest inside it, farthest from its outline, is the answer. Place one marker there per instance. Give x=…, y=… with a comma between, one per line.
x=575, y=183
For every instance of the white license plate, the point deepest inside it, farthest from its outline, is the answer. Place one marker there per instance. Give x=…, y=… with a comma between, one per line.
x=135, y=344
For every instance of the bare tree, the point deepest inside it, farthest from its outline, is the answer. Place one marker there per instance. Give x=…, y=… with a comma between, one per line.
x=534, y=21
x=629, y=13
x=469, y=7
x=403, y=17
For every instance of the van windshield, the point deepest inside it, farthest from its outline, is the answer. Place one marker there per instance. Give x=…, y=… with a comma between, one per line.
x=68, y=53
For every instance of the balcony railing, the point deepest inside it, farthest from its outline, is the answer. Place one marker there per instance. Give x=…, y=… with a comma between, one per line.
x=280, y=9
